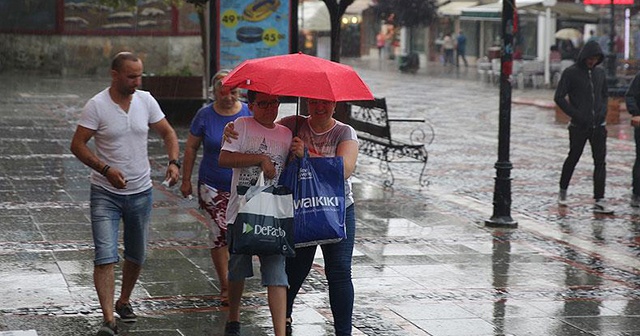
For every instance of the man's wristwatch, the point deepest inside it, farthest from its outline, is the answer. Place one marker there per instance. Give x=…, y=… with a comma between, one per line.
x=175, y=162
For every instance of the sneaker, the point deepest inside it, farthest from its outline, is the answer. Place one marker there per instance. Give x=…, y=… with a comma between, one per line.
x=562, y=197
x=125, y=312
x=232, y=329
x=600, y=206
x=288, y=331
x=108, y=329
x=635, y=201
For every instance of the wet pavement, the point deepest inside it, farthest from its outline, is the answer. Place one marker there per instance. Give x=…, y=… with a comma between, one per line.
x=424, y=263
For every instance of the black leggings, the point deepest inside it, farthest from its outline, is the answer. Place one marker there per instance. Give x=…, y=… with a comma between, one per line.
x=597, y=138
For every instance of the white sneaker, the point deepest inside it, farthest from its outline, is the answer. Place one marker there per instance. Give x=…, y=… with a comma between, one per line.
x=600, y=207
x=562, y=197
x=635, y=201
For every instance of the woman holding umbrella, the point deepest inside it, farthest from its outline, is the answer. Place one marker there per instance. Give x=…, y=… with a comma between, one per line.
x=325, y=136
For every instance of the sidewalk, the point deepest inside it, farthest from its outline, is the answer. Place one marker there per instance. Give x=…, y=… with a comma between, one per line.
x=424, y=262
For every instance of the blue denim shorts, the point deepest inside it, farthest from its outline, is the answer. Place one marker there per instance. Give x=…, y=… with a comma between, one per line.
x=272, y=269
x=107, y=209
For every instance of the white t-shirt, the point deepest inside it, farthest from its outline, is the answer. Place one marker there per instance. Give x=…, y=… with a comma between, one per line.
x=253, y=138
x=121, y=137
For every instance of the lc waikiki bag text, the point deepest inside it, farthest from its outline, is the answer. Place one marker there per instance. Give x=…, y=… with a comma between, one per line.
x=264, y=224
x=318, y=199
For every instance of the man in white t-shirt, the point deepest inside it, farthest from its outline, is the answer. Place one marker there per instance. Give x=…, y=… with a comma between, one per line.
x=262, y=147
x=119, y=119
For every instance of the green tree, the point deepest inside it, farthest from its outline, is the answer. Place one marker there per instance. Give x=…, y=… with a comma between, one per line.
x=408, y=13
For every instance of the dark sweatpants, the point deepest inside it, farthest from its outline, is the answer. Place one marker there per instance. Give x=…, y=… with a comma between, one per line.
x=597, y=138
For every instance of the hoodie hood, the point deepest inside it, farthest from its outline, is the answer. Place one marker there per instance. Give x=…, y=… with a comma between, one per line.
x=592, y=48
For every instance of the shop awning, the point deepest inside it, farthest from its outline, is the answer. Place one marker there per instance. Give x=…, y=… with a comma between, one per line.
x=492, y=12
x=313, y=15
x=358, y=6
x=571, y=10
x=454, y=8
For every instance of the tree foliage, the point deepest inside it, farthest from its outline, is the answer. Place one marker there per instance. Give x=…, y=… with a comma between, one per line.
x=408, y=13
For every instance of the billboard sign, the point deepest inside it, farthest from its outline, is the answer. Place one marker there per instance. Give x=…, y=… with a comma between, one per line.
x=251, y=29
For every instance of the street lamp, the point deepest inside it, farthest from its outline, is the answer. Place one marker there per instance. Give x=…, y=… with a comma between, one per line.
x=502, y=193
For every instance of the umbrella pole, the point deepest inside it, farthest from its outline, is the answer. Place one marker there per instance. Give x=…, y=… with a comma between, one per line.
x=295, y=129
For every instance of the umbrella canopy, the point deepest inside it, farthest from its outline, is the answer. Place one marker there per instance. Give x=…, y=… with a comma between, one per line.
x=568, y=34
x=299, y=75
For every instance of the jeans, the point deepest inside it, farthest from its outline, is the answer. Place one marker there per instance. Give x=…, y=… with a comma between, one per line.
x=107, y=209
x=597, y=138
x=458, y=55
x=337, y=260
x=636, y=164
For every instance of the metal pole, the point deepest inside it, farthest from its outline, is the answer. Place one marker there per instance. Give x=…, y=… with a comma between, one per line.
x=547, y=46
x=502, y=192
x=611, y=57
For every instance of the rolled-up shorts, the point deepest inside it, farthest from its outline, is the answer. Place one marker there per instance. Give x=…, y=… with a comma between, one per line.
x=107, y=209
x=214, y=202
x=272, y=269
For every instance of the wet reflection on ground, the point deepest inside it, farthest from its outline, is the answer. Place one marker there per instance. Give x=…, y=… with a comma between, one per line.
x=424, y=264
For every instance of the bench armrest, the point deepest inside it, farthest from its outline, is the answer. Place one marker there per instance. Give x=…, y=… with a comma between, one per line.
x=406, y=120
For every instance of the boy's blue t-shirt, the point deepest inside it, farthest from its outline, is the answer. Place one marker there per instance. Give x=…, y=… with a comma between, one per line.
x=209, y=125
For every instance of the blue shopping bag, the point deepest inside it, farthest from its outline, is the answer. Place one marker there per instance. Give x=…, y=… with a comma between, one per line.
x=318, y=199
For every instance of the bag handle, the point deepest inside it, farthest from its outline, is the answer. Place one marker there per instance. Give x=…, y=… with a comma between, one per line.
x=260, y=181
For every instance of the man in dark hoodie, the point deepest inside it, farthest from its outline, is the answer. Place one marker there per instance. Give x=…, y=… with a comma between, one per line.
x=582, y=95
x=632, y=99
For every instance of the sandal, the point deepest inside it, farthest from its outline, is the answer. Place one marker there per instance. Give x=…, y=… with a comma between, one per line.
x=288, y=329
x=224, y=298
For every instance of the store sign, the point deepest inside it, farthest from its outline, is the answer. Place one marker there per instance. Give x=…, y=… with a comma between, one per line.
x=252, y=29
x=608, y=2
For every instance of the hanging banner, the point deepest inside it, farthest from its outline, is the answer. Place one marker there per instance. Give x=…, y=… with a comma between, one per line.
x=252, y=29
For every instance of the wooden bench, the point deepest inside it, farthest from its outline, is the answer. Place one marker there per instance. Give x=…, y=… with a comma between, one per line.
x=373, y=125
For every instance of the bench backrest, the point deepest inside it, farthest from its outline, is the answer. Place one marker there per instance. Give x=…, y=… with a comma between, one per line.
x=369, y=116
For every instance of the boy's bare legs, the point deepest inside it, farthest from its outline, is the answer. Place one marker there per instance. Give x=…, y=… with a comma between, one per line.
x=220, y=258
x=278, y=306
x=235, y=295
x=104, y=281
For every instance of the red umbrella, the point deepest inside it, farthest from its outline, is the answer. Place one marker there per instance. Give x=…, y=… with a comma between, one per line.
x=299, y=75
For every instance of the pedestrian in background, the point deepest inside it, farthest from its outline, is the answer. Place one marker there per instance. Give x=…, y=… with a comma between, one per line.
x=592, y=36
x=632, y=99
x=118, y=118
x=262, y=147
x=461, y=48
x=380, y=41
x=389, y=37
x=214, y=182
x=582, y=95
x=448, y=46
x=554, y=54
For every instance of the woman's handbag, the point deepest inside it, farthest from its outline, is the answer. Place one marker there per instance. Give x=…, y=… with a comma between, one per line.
x=318, y=198
x=264, y=224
